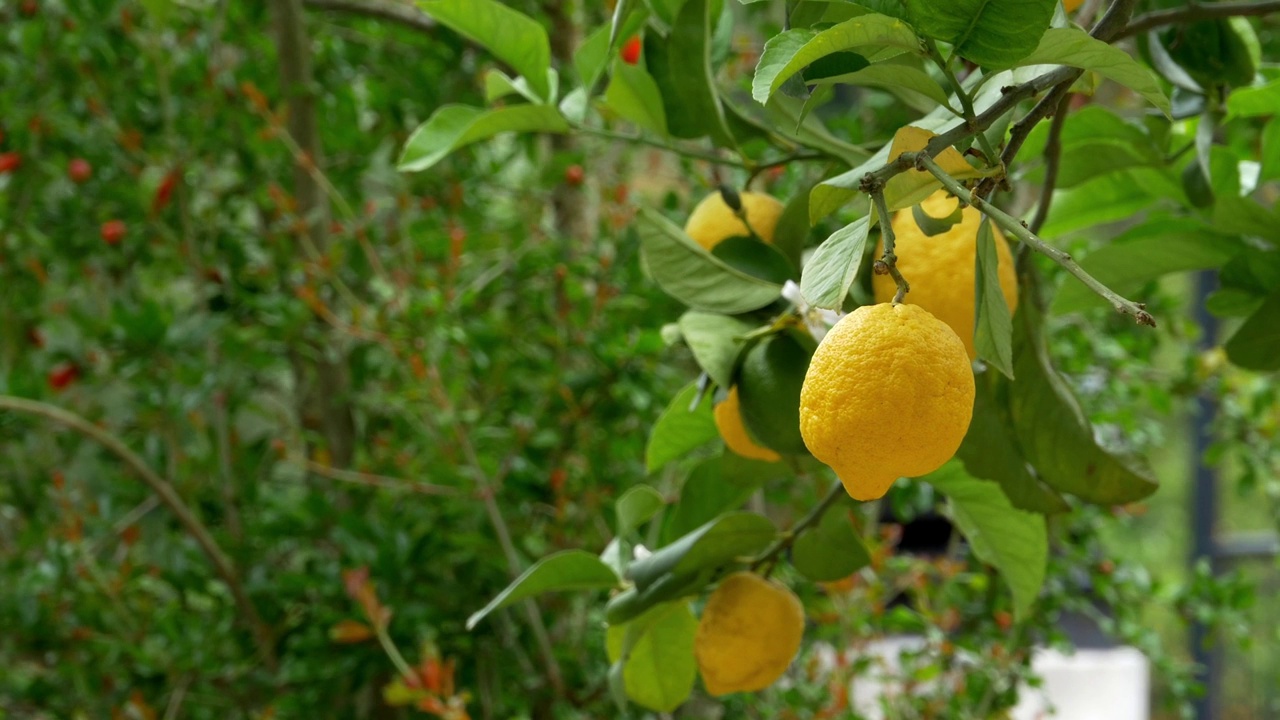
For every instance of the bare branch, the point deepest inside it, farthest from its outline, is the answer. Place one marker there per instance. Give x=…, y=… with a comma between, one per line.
x=1197, y=11
x=1052, y=160
x=402, y=13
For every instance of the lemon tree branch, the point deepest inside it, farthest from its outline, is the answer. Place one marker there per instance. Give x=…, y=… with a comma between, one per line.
x=789, y=537
x=1020, y=230
x=888, y=262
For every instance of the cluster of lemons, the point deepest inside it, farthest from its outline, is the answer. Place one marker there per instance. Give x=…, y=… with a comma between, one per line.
x=888, y=393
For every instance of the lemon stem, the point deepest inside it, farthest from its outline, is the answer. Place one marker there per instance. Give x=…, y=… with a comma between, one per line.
x=1019, y=229
x=789, y=537
x=889, y=261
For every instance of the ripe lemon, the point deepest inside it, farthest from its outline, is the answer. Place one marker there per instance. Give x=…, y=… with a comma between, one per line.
x=712, y=221
x=1071, y=5
x=749, y=632
x=769, y=385
x=889, y=394
x=940, y=268
x=728, y=416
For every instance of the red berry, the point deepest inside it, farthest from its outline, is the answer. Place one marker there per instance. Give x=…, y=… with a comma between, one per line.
x=631, y=50
x=574, y=175
x=113, y=231
x=164, y=191
x=28, y=7
x=79, y=170
x=62, y=375
x=9, y=162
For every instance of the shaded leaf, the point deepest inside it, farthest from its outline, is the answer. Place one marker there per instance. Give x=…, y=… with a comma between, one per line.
x=714, y=486
x=694, y=276
x=715, y=341
x=678, y=430
x=995, y=33
x=1076, y=48
x=634, y=95
x=832, y=550
x=993, y=326
x=831, y=270
x=636, y=506
x=656, y=651
x=513, y=37
x=681, y=65
x=728, y=537
x=1256, y=345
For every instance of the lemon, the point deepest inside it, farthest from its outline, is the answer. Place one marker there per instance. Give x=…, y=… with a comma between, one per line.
x=749, y=632
x=1071, y=5
x=940, y=268
x=769, y=383
x=729, y=422
x=713, y=221
x=889, y=394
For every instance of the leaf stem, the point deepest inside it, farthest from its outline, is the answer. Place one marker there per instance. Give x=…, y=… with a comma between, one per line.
x=1020, y=230
x=966, y=102
x=1197, y=11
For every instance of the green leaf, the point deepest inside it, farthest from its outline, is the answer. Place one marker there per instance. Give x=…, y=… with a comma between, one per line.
x=454, y=126
x=567, y=570
x=1144, y=253
x=721, y=541
x=715, y=341
x=678, y=430
x=636, y=506
x=715, y=485
x=930, y=225
x=1076, y=48
x=498, y=85
x=755, y=258
x=1104, y=199
x=785, y=116
x=681, y=66
x=656, y=650
x=1270, y=150
x=897, y=78
x=1254, y=101
x=799, y=48
x=993, y=327
x=633, y=94
x=990, y=450
x=1094, y=141
x=995, y=33
x=592, y=56
x=1256, y=345
x=695, y=277
x=1053, y=431
x=1015, y=542
x=830, y=272
x=830, y=551
x=793, y=227
x=513, y=37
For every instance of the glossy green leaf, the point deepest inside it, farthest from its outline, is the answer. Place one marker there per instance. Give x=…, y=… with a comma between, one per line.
x=993, y=326
x=721, y=541
x=1076, y=48
x=567, y=570
x=1014, y=541
x=1146, y=252
x=755, y=258
x=1094, y=141
x=636, y=506
x=792, y=232
x=831, y=270
x=454, y=126
x=694, y=276
x=895, y=77
x=796, y=49
x=513, y=37
x=1256, y=345
x=633, y=94
x=995, y=33
x=679, y=430
x=715, y=485
x=681, y=66
x=715, y=341
x=990, y=450
x=1054, y=433
x=832, y=550
x=656, y=650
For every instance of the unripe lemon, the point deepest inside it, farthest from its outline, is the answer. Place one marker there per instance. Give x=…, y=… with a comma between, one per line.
x=940, y=268
x=728, y=414
x=712, y=221
x=749, y=632
x=889, y=394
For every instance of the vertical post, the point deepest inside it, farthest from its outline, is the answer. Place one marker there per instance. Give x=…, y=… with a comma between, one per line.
x=1204, y=507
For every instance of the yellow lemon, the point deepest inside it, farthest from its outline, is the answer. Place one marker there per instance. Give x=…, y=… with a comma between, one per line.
x=728, y=414
x=889, y=394
x=1071, y=5
x=940, y=268
x=749, y=632
x=712, y=221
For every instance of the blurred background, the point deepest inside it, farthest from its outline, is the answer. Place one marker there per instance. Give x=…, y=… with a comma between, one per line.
x=379, y=392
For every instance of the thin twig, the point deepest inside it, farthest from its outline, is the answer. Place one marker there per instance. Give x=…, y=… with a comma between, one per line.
x=789, y=537
x=164, y=490
x=1197, y=11
x=1052, y=159
x=357, y=477
x=888, y=262
x=402, y=13
x=642, y=140
x=1020, y=231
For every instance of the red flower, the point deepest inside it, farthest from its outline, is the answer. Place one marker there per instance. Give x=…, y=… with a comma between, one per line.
x=113, y=231
x=9, y=162
x=79, y=170
x=62, y=375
